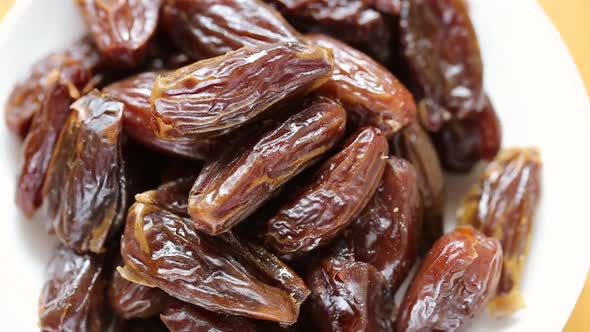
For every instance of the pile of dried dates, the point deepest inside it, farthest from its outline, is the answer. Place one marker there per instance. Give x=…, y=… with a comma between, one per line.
x=238, y=165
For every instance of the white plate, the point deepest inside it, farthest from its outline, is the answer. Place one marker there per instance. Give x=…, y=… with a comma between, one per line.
x=532, y=81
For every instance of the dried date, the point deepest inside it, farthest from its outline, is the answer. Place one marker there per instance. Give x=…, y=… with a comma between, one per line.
x=85, y=186
x=367, y=90
x=331, y=199
x=215, y=96
x=456, y=279
x=171, y=196
x=184, y=317
x=235, y=185
x=502, y=205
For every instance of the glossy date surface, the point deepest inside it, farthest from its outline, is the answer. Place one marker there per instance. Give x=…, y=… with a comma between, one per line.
x=184, y=317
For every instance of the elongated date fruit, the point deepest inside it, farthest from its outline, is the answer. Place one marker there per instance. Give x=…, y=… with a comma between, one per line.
x=86, y=183
x=230, y=188
x=367, y=90
x=222, y=278
x=503, y=205
x=349, y=296
x=413, y=144
x=442, y=51
x=122, y=29
x=386, y=235
x=332, y=198
x=184, y=317
x=135, y=93
x=215, y=96
x=457, y=278
x=73, y=295
x=208, y=28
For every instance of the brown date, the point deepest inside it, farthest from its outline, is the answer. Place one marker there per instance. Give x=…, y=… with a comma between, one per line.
x=413, y=144
x=332, y=198
x=215, y=96
x=233, y=186
x=457, y=278
x=463, y=143
x=135, y=93
x=121, y=29
x=387, y=233
x=159, y=248
x=503, y=205
x=442, y=52
x=208, y=28
x=171, y=196
x=184, y=317
x=85, y=187
x=367, y=90
x=349, y=296
x=72, y=297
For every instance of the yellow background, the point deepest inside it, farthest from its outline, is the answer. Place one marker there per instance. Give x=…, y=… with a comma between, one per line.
x=572, y=18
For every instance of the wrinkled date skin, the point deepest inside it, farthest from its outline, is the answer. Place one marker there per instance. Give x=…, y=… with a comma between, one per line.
x=86, y=183
x=184, y=317
x=121, y=29
x=233, y=186
x=215, y=96
x=40, y=141
x=463, y=143
x=332, y=198
x=386, y=235
x=503, y=205
x=135, y=93
x=458, y=276
x=72, y=297
x=171, y=196
x=28, y=96
x=352, y=21
x=367, y=90
x=158, y=247
x=414, y=145
x=349, y=296
x=209, y=28
x=442, y=52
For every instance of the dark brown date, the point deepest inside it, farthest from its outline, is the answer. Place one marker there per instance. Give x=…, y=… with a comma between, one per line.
x=122, y=29
x=208, y=28
x=442, y=52
x=414, y=145
x=139, y=325
x=72, y=297
x=215, y=96
x=349, y=296
x=503, y=205
x=235, y=185
x=159, y=248
x=458, y=276
x=184, y=317
x=331, y=199
x=367, y=90
x=463, y=143
x=171, y=196
x=135, y=93
x=387, y=233
x=86, y=187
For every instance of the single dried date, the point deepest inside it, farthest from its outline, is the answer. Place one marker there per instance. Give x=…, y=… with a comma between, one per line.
x=387, y=233
x=456, y=279
x=184, y=317
x=221, y=279
x=367, y=90
x=502, y=205
x=85, y=186
x=121, y=29
x=135, y=93
x=236, y=184
x=331, y=199
x=215, y=96
x=72, y=297
x=208, y=28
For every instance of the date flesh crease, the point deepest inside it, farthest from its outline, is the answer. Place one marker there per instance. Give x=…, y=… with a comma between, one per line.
x=458, y=276
x=86, y=189
x=503, y=205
